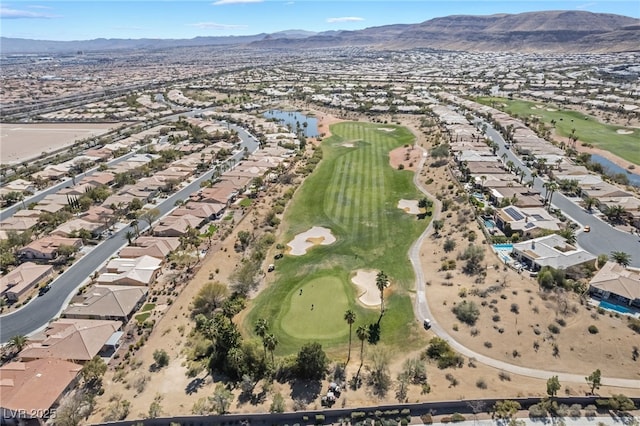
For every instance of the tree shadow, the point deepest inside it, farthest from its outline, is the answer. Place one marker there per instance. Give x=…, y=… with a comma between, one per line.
x=306, y=390
x=374, y=332
x=194, y=385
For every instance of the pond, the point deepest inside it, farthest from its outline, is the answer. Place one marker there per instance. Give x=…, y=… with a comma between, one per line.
x=294, y=119
x=612, y=168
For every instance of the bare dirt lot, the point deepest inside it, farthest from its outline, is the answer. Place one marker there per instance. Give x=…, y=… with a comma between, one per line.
x=21, y=142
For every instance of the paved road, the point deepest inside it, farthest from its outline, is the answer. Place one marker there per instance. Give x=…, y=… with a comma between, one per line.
x=603, y=238
x=35, y=315
x=422, y=312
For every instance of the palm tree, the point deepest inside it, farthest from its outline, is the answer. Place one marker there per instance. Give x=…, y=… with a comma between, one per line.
x=270, y=342
x=130, y=235
x=17, y=342
x=568, y=234
x=621, y=258
x=350, y=318
x=589, y=202
x=551, y=187
x=381, y=282
x=261, y=328
x=363, y=334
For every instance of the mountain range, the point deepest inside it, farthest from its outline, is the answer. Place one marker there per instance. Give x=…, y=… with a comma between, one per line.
x=547, y=31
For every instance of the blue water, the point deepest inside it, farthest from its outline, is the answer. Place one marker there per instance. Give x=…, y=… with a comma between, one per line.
x=489, y=224
x=294, y=118
x=503, y=246
x=612, y=168
x=613, y=307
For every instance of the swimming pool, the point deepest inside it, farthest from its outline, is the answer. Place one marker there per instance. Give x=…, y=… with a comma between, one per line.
x=506, y=246
x=617, y=308
x=504, y=251
x=489, y=224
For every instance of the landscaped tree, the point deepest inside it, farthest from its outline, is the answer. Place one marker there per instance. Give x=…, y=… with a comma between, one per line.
x=621, y=258
x=614, y=213
x=474, y=255
x=589, y=202
x=221, y=399
x=550, y=187
x=506, y=409
x=210, y=297
x=381, y=282
x=568, y=234
x=93, y=371
x=467, y=312
x=270, y=343
x=350, y=318
x=161, y=358
x=363, y=334
x=553, y=386
x=311, y=362
x=594, y=380
x=150, y=216
x=130, y=235
x=437, y=226
x=449, y=245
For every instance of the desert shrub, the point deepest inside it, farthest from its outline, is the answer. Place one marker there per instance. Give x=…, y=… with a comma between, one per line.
x=538, y=410
x=488, y=345
x=504, y=376
x=457, y=417
x=481, y=383
x=554, y=328
x=593, y=329
x=515, y=308
x=427, y=419
x=634, y=324
x=467, y=312
x=496, y=318
x=574, y=410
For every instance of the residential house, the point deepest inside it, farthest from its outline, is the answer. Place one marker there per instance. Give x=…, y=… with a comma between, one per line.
x=158, y=247
x=551, y=250
x=71, y=339
x=616, y=283
x=32, y=387
x=137, y=271
x=22, y=279
x=46, y=248
x=21, y=185
x=525, y=221
x=177, y=226
x=99, y=214
x=517, y=195
x=209, y=211
x=71, y=227
x=117, y=303
x=18, y=224
x=603, y=190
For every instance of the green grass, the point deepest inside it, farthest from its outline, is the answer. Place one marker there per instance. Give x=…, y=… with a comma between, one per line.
x=148, y=307
x=141, y=318
x=354, y=192
x=246, y=202
x=587, y=128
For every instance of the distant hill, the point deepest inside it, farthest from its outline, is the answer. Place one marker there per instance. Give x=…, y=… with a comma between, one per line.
x=549, y=31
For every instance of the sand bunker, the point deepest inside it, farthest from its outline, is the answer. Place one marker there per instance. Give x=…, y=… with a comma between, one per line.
x=409, y=206
x=368, y=293
x=551, y=109
x=624, y=132
x=386, y=129
x=348, y=145
x=314, y=236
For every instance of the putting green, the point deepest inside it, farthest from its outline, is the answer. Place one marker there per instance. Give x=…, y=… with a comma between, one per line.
x=318, y=311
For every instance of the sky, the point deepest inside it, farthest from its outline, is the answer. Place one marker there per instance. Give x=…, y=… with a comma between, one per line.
x=183, y=19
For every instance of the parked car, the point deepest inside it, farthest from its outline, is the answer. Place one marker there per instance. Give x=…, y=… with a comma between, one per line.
x=44, y=289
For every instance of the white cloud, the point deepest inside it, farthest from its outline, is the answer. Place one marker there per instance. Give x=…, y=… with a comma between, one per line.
x=585, y=6
x=345, y=19
x=217, y=26
x=37, y=6
x=6, y=13
x=221, y=2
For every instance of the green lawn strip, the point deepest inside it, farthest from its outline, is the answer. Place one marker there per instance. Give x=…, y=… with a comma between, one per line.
x=148, y=307
x=354, y=192
x=246, y=202
x=141, y=318
x=587, y=128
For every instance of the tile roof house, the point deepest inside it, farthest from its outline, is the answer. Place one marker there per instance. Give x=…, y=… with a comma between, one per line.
x=176, y=226
x=616, y=283
x=525, y=220
x=22, y=279
x=103, y=302
x=551, y=250
x=46, y=248
x=71, y=339
x=158, y=247
x=35, y=386
x=68, y=228
x=138, y=271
